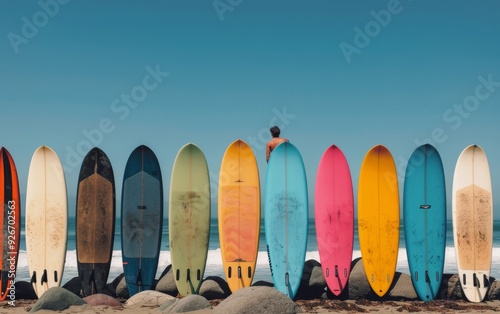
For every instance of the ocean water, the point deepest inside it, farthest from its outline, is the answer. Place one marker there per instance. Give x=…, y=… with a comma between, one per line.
x=262, y=272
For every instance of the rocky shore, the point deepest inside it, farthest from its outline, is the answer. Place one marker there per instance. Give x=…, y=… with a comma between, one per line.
x=215, y=296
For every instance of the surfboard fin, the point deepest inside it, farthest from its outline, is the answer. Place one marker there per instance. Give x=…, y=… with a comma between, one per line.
x=476, y=280
x=198, y=274
x=139, y=278
x=425, y=206
x=177, y=274
x=229, y=272
x=55, y=276
x=92, y=281
x=188, y=275
x=44, y=277
x=427, y=278
x=239, y=271
x=287, y=280
x=486, y=281
x=336, y=271
x=33, y=278
x=249, y=272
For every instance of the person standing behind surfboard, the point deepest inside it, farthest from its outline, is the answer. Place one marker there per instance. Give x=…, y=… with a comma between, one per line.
x=275, y=141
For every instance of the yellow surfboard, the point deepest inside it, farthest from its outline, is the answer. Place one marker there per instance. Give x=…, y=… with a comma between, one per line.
x=378, y=218
x=239, y=214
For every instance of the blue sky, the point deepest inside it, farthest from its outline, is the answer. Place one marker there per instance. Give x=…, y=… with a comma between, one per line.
x=165, y=73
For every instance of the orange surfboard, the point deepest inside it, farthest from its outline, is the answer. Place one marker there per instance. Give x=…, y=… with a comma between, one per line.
x=10, y=221
x=239, y=214
x=378, y=218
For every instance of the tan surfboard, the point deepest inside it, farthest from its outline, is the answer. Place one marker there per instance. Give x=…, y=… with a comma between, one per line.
x=473, y=221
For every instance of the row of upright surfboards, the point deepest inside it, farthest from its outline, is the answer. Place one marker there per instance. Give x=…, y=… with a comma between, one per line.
x=424, y=207
x=286, y=216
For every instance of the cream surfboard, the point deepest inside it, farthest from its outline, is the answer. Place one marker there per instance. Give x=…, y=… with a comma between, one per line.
x=189, y=218
x=473, y=221
x=46, y=220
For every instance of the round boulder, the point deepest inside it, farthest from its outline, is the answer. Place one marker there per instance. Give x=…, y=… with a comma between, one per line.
x=189, y=303
x=102, y=299
x=149, y=298
x=57, y=299
x=262, y=300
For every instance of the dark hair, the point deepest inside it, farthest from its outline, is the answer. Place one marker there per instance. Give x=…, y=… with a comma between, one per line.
x=275, y=131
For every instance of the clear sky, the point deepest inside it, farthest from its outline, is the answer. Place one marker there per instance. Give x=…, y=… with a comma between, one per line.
x=117, y=74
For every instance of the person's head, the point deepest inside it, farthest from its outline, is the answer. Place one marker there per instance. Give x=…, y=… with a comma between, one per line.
x=275, y=131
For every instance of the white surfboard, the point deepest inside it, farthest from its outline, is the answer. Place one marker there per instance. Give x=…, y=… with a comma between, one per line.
x=473, y=222
x=46, y=220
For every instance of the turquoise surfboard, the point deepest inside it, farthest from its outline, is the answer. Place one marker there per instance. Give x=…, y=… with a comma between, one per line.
x=424, y=209
x=286, y=217
x=142, y=219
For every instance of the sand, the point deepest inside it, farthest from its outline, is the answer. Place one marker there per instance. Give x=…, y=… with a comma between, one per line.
x=307, y=306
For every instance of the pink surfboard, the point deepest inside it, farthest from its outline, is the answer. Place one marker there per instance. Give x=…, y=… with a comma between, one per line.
x=334, y=217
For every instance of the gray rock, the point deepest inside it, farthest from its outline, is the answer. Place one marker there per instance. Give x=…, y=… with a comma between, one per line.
x=453, y=288
x=358, y=287
x=262, y=300
x=149, y=298
x=112, y=285
x=313, y=283
x=214, y=288
x=121, y=290
x=402, y=288
x=57, y=299
x=166, y=305
x=262, y=283
x=101, y=299
x=74, y=285
x=24, y=291
x=494, y=291
x=166, y=283
x=189, y=303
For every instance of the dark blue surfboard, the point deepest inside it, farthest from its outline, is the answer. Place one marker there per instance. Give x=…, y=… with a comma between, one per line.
x=142, y=219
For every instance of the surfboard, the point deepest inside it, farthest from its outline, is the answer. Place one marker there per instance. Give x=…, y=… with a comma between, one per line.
x=189, y=218
x=286, y=217
x=10, y=220
x=334, y=218
x=46, y=220
x=142, y=219
x=378, y=218
x=472, y=206
x=95, y=221
x=239, y=214
x=424, y=208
